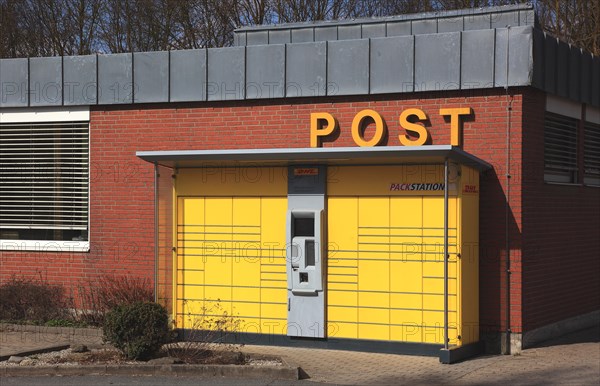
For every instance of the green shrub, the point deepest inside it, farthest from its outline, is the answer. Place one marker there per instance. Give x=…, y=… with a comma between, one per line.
x=139, y=330
x=28, y=300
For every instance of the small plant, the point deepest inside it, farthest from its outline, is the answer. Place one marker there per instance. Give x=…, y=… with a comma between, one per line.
x=109, y=292
x=32, y=301
x=139, y=330
x=210, y=327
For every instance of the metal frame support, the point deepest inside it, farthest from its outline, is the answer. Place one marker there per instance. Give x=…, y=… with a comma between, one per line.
x=446, y=339
x=156, y=175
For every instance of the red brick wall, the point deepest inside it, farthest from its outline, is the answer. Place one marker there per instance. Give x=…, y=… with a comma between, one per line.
x=122, y=185
x=561, y=226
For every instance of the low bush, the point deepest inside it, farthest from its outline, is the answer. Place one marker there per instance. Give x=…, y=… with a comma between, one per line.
x=109, y=292
x=139, y=330
x=208, y=328
x=32, y=301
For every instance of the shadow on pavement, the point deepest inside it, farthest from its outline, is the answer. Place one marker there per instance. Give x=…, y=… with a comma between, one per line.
x=588, y=335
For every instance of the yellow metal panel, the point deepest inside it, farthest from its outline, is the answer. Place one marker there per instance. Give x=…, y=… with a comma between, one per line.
x=342, y=286
x=406, y=212
x=373, y=331
x=242, y=309
x=374, y=212
x=343, y=270
x=274, y=276
x=433, y=334
x=257, y=182
x=271, y=311
x=342, y=223
x=405, y=317
x=273, y=326
x=433, y=285
x=407, y=333
x=406, y=276
x=274, y=295
x=433, y=302
x=342, y=298
x=342, y=330
x=373, y=315
x=273, y=268
x=246, y=294
x=342, y=314
x=414, y=301
x=217, y=293
x=378, y=181
x=373, y=275
x=374, y=299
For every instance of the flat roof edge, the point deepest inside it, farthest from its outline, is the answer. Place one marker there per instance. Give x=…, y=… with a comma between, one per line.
x=334, y=155
x=441, y=14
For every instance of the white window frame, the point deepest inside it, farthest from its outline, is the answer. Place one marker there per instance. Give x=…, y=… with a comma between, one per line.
x=47, y=115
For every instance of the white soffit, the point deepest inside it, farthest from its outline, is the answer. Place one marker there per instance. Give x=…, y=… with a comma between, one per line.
x=49, y=114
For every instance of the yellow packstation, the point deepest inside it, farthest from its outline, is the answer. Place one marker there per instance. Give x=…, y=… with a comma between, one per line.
x=339, y=252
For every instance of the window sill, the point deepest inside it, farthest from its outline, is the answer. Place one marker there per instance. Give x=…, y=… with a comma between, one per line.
x=44, y=246
x=562, y=183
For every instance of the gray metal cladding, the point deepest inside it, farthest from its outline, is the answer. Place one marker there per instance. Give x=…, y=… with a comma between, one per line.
x=473, y=22
x=420, y=27
x=280, y=37
x=45, y=81
x=226, y=73
x=550, y=55
x=596, y=82
x=399, y=29
x=415, y=24
x=373, y=30
x=437, y=62
x=79, y=76
x=392, y=65
x=574, y=72
x=348, y=67
x=450, y=24
x=306, y=69
x=257, y=37
x=516, y=68
x=187, y=70
x=151, y=76
x=538, y=58
x=503, y=20
x=265, y=74
x=303, y=35
x=474, y=59
x=325, y=33
x=586, y=78
x=115, y=79
x=346, y=32
x=562, y=70
x=527, y=17
x=477, y=69
x=14, y=82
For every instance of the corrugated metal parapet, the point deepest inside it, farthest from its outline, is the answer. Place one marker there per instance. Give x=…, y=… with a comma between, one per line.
x=565, y=70
x=410, y=24
x=459, y=60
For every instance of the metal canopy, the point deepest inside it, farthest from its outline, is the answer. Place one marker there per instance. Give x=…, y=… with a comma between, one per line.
x=431, y=154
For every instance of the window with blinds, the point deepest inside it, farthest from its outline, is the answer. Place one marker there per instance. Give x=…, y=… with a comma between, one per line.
x=560, y=148
x=591, y=154
x=44, y=177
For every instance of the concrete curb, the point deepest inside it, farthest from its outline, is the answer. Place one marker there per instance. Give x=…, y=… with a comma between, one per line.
x=229, y=371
